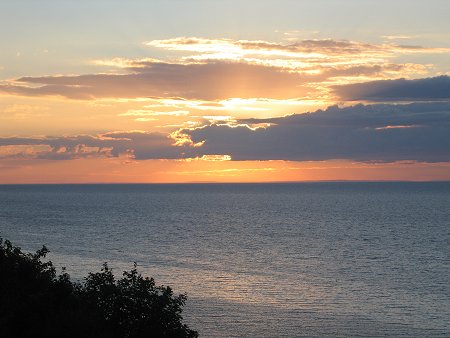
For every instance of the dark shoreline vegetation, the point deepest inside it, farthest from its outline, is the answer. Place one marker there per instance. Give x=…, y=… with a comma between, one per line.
x=36, y=302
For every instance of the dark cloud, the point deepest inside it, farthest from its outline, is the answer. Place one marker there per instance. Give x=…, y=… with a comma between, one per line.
x=139, y=145
x=428, y=89
x=148, y=146
x=383, y=132
x=387, y=133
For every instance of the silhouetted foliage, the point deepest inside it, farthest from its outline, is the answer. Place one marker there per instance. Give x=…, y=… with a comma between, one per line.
x=35, y=302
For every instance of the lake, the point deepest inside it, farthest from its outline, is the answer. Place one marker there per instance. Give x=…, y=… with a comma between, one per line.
x=259, y=260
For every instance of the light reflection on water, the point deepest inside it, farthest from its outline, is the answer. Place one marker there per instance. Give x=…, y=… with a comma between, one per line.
x=274, y=260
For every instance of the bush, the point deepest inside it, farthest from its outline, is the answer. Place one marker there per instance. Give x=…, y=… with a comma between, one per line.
x=35, y=302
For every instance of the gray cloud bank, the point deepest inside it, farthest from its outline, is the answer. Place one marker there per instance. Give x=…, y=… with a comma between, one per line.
x=382, y=132
x=386, y=133
x=427, y=89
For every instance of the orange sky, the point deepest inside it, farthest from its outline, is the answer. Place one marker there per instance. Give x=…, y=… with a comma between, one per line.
x=210, y=104
x=120, y=170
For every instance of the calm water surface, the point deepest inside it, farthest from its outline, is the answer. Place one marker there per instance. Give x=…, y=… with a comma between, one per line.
x=259, y=260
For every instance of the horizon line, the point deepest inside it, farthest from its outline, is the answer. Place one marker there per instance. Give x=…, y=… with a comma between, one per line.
x=225, y=183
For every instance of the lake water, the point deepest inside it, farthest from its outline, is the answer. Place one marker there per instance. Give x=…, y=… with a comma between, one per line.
x=259, y=260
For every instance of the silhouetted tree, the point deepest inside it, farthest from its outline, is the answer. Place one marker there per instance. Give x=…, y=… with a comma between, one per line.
x=35, y=302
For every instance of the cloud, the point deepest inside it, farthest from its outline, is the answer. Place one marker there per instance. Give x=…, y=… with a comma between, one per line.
x=397, y=37
x=219, y=69
x=383, y=132
x=307, y=56
x=427, y=89
x=298, y=48
x=149, y=112
x=196, y=81
x=136, y=144
x=387, y=133
x=205, y=81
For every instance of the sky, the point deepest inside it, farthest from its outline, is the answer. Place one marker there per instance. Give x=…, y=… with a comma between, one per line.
x=168, y=91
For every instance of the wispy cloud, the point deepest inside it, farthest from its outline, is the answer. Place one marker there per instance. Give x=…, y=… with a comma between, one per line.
x=147, y=112
x=220, y=69
x=311, y=56
x=319, y=48
x=397, y=37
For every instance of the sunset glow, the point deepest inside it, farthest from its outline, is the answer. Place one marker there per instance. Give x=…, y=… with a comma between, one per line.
x=298, y=101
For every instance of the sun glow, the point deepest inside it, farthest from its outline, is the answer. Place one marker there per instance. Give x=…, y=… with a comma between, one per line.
x=233, y=94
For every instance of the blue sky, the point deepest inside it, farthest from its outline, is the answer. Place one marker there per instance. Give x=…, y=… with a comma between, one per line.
x=70, y=31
